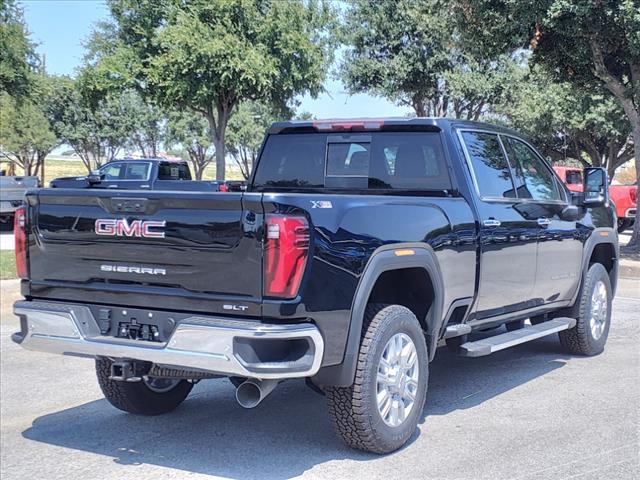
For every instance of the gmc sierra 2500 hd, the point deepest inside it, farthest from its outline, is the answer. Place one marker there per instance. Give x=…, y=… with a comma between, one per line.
x=357, y=247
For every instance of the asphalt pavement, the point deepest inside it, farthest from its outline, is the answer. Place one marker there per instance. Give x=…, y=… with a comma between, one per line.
x=530, y=412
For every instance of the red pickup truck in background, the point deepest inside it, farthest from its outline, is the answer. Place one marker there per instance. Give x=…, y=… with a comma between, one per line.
x=624, y=197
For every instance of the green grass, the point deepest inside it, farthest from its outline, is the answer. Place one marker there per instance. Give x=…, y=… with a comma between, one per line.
x=7, y=264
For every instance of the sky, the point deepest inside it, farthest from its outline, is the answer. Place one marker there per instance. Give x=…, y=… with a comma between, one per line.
x=59, y=27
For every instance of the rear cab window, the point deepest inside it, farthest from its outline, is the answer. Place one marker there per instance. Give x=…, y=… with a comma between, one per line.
x=574, y=177
x=173, y=171
x=370, y=161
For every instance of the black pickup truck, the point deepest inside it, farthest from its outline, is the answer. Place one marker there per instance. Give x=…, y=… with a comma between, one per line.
x=358, y=248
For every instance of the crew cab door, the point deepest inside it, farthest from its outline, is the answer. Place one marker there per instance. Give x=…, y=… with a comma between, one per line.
x=508, y=237
x=542, y=199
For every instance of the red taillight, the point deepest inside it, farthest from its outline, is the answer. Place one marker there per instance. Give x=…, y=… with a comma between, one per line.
x=224, y=187
x=633, y=193
x=20, y=235
x=286, y=250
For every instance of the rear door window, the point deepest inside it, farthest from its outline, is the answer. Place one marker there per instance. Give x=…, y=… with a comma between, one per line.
x=137, y=171
x=490, y=166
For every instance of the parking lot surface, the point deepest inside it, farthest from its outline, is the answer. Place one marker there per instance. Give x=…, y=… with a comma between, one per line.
x=530, y=412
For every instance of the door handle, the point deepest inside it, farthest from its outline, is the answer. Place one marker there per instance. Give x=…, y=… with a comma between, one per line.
x=491, y=223
x=112, y=186
x=544, y=222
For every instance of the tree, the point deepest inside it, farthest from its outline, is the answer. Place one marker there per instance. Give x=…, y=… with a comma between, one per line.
x=409, y=52
x=190, y=132
x=96, y=133
x=212, y=56
x=586, y=43
x=146, y=123
x=25, y=135
x=18, y=60
x=569, y=122
x=246, y=132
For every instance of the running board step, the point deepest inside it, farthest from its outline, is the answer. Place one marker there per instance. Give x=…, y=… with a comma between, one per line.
x=489, y=345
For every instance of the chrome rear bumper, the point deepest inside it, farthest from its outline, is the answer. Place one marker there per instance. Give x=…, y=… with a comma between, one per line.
x=213, y=344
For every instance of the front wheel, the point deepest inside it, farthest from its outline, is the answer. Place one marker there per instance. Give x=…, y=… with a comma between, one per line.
x=624, y=224
x=151, y=396
x=593, y=320
x=380, y=411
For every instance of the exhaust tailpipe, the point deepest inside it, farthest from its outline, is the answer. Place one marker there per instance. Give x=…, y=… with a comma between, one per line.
x=252, y=391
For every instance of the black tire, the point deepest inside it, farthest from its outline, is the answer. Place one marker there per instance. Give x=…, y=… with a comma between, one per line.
x=354, y=410
x=624, y=224
x=580, y=339
x=137, y=397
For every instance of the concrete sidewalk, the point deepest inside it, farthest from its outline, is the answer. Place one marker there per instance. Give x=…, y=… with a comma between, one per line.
x=629, y=268
x=6, y=241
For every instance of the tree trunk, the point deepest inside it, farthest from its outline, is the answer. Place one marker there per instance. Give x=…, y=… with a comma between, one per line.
x=42, y=171
x=635, y=236
x=418, y=106
x=199, y=168
x=218, y=130
x=220, y=164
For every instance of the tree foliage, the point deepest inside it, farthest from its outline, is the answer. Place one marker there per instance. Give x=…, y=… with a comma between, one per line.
x=145, y=123
x=212, y=56
x=17, y=59
x=585, y=43
x=409, y=52
x=97, y=133
x=25, y=135
x=189, y=131
x=569, y=122
x=246, y=133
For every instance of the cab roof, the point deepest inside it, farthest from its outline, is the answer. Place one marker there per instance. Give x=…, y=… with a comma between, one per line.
x=381, y=124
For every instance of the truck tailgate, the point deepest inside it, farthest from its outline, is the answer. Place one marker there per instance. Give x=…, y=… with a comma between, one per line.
x=198, y=251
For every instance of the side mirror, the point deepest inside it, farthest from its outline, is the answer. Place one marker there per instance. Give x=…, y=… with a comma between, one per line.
x=94, y=177
x=595, y=188
x=570, y=213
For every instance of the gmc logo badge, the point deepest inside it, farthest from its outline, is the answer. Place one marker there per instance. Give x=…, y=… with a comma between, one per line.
x=121, y=227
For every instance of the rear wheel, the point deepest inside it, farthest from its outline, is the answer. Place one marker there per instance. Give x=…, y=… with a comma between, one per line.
x=380, y=411
x=151, y=396
x=593, y=317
